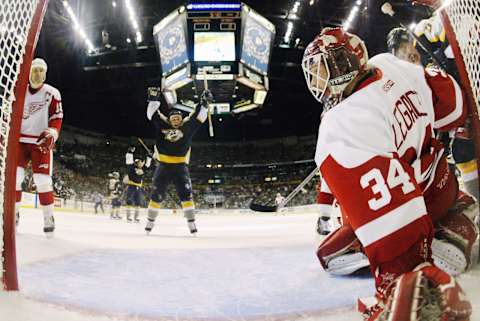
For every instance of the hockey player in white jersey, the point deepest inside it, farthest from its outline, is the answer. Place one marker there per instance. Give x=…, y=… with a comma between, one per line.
x=377, y=153
x=41, y=124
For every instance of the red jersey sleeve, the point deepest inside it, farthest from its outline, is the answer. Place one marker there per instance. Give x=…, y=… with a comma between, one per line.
x=55, y=111
x=449, y=101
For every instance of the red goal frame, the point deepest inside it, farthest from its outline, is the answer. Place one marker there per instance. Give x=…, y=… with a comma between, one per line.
x=9, y=276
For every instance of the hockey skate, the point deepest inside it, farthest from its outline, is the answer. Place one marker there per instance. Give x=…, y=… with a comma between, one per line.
x=323, y=225
x=149, y=226
x=17, y=218
x=136, y=220
x=48, y=226
x=192, y=227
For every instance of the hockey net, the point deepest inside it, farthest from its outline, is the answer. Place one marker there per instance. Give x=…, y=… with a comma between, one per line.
x=20, y=23
x=461, y=19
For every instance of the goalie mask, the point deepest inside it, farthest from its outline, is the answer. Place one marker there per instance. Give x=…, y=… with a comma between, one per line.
x=331, y=62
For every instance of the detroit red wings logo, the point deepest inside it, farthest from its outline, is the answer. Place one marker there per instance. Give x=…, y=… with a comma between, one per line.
x=31, y=109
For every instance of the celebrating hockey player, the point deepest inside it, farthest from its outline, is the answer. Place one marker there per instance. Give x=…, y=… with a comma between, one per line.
x=42, y=120
x=135, y=183
x=172, y=151
x=115, y=191
x=377, y=153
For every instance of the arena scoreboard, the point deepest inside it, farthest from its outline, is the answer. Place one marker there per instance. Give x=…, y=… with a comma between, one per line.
x=227, y=44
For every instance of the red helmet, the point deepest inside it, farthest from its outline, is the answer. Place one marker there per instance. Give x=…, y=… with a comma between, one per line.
x=330, y=63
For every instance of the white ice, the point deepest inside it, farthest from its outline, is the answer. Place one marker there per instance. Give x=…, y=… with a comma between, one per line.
x=239, y=267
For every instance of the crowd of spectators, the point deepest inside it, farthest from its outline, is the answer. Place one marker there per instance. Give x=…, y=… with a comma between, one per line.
x=81, y=172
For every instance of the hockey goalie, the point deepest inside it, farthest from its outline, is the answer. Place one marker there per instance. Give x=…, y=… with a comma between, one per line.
x=378, y=154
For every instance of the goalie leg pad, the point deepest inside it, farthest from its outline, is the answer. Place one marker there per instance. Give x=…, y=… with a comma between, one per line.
x=340, y=253
x=460, y=231
x=425, y=294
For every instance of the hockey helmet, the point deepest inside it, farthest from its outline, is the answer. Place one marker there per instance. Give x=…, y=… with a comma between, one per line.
x=174, y=112
x=115, y=175
x=331, y=62
x=138, y=162
x=395, y=37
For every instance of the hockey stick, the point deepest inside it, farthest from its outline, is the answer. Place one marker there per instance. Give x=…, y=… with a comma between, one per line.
x=205, y=87
x=388, y=10
x=275, y=208
x=149, y=152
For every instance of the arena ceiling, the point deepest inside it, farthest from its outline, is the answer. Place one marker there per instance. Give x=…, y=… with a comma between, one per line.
x=106, y=92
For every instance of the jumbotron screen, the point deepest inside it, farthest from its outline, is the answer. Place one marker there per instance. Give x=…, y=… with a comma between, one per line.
x=214, y=46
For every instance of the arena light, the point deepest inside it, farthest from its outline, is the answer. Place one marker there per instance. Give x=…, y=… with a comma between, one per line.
x=133, y=21
x=114, y=4
x=312, y=2
x=292, y=14
x=352, y=15
x=288, y=33
x=296, y=6
x=78, y=28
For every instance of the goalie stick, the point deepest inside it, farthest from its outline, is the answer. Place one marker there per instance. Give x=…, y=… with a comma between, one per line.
x=275, y=208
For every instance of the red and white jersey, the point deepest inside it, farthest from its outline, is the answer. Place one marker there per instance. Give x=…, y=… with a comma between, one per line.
x=377, y=152
x=42, y=110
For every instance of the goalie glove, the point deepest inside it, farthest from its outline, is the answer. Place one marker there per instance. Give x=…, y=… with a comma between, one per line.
x=206, y=98
x=46, y=140
x=152, y=108
x=148, y=162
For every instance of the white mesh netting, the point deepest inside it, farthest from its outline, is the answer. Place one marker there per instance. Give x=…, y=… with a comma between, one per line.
x=464, y=17
x=15, y=20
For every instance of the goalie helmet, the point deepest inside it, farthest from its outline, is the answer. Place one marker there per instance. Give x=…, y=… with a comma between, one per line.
x=331, y=62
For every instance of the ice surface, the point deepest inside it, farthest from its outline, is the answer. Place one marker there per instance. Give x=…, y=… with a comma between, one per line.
x=239, y=267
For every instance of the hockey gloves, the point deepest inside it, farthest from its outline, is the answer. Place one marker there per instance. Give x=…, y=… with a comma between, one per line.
x=206, y=98
x=46, y=140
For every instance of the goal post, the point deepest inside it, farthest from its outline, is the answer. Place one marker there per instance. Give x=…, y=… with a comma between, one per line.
x=20, y=24
x=461, y=20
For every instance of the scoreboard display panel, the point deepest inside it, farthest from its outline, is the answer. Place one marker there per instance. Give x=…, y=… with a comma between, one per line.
x=214, y=46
